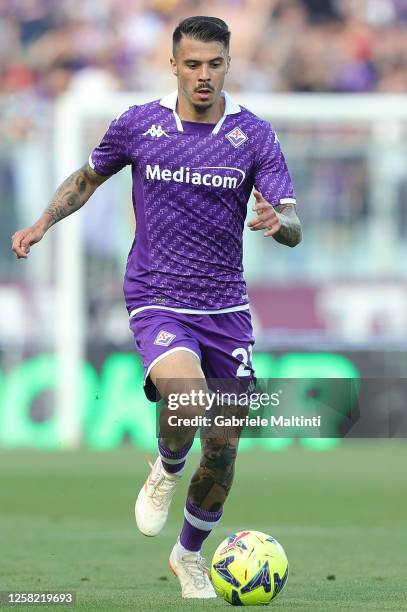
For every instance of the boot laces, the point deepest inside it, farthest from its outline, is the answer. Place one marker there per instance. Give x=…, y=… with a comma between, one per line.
x=195, y=566
x=163, y=488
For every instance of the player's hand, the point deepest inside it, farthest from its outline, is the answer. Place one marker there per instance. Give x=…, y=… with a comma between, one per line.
x=23, y=239
x=267, y=217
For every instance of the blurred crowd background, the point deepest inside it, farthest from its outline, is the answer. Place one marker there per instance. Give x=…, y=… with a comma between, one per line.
x=48, y=47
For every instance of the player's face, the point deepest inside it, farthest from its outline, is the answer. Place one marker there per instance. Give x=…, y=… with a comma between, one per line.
x=200, y=68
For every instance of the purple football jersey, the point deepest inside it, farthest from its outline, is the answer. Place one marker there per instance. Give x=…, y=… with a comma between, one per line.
x=191, y=185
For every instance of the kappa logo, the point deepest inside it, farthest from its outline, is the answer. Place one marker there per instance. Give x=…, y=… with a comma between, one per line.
x=236, y=137
x=156, y=131
x=164, y=338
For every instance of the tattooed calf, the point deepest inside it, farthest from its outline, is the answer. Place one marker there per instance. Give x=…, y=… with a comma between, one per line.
x=212, y=481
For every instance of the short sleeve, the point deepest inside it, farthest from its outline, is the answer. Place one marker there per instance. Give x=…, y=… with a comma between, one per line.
x=111, y=155
x=271, y=175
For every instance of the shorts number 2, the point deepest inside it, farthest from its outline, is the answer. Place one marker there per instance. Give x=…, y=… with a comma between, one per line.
x=246, y=357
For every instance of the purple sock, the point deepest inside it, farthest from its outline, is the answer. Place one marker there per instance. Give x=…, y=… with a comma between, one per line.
x=173, y=461
x=198, y=524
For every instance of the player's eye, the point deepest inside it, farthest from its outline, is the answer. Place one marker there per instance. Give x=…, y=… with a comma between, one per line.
x=216, y=64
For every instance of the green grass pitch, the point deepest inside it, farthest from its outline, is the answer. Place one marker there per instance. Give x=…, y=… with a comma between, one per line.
x=66, y=523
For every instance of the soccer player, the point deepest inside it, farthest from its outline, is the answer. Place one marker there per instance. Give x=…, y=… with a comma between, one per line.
x=196, y=156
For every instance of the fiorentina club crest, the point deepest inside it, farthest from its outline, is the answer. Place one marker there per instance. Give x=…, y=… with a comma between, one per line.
x=164, y=338
x=236, y=137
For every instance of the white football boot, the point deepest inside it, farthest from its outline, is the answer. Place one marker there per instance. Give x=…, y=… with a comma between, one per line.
x=154, y=499
x=190, y=570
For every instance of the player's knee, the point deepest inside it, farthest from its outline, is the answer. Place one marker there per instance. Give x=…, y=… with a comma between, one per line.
x=183, y=409
x=187, y=397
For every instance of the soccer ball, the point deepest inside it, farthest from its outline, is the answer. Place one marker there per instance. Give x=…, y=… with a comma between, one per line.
x=249, y=568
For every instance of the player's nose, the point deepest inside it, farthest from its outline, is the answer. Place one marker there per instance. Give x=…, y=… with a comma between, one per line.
x=204, y=73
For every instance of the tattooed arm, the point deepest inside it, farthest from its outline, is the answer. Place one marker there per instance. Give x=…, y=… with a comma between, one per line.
x=71, y=195
x=280, y=221
x=290, y=226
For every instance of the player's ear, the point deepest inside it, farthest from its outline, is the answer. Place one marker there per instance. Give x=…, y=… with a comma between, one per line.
x=174, y=66
x=229, y=59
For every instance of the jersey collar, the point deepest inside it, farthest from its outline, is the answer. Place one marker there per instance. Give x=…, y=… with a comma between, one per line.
x=231, y=108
